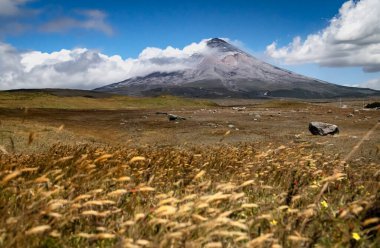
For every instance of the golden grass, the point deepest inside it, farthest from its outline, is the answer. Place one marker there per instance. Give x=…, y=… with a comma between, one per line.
x=284, y=104
x=45, y=100
x=242, y=195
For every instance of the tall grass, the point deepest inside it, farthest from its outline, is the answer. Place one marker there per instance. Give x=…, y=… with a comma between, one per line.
x=244, y=195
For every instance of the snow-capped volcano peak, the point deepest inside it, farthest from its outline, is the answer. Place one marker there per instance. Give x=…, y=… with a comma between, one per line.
x=219, y=69
x=216, y=42
x=222, y=45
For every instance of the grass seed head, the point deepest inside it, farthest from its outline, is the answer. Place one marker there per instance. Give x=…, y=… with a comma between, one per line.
x=38, y=229
x=136, y=159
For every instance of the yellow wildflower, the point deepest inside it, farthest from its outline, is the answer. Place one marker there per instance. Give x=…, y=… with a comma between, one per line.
x=355, y=236
x=273, y=222
x=324, y=204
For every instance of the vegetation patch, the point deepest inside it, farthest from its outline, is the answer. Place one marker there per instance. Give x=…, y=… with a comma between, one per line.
x=284, y=104
x=246, y=195
x=47, y=100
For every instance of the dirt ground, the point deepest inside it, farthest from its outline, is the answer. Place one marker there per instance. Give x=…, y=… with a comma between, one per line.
x=256, y=121
x=234, y=173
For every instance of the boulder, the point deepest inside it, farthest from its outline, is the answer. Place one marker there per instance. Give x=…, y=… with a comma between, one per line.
x=321, y=128
x=374, y=105
x=239, y=108
x=172, y=117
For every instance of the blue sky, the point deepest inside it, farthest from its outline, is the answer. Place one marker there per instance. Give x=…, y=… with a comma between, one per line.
x=143, y=23
x=126, y=28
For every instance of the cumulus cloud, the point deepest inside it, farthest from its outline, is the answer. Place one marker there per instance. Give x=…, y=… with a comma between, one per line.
x=84, y=19
x=351, y=39
x=373, y=84
x=17, y=17
x=12, y=7
x=14, y=16
x=83, y=68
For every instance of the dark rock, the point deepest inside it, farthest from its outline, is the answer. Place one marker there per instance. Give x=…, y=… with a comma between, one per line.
x=161, y=113
x=374, y=105
x=172, y=117
x=321, y=128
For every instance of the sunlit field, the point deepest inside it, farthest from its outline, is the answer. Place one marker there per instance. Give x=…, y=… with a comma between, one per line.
x=207, y=196
x=64, y=186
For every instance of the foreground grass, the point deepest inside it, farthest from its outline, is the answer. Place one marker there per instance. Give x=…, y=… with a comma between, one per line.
x=225, y=196
x=46, y=100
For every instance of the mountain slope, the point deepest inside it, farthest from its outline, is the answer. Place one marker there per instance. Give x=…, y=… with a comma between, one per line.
x=222, y=70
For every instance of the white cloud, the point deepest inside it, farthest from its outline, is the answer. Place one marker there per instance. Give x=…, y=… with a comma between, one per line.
x=170, y=52
x=11, y=7
x=13, y=16
x=86, y=69
x=85, y=19
x=373, y=84
x=17, y=17
x=351, y=39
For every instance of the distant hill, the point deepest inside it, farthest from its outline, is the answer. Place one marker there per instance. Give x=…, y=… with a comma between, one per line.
x=65, y=92
x=225, y=71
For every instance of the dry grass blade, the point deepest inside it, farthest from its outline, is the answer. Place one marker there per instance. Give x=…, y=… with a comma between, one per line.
x=96, y=213
x=61, y=127
x=82, y=197
x=10, y=176
x=32, y=169
x=117, y=192
x=165, y=210
x=249, y=205
x=103, y=158
x=143, y=242
x=214, y=245
x=371, y=221
x=199, y=217
x=336, y=177
x=38, y=229
x=63, y=159
x=247, y=183
x=259, y=241
x=123, y=179
x=97, y=236
x=297, y=238
x=145, y=189
x=99, y=203
x=136, y=159
x=199, y=175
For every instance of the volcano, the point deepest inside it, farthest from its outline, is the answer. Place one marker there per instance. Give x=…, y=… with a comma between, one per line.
x=225, y=71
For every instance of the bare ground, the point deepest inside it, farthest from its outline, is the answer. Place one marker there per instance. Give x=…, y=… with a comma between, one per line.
x=261, y=121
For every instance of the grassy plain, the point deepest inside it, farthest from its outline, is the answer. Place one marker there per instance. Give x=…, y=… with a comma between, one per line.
x=77, y=171
x=46, y=100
